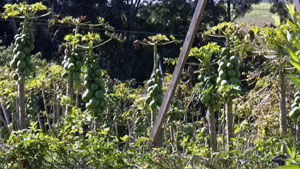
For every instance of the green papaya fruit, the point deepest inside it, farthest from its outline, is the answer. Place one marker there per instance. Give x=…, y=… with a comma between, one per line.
x=222, y=74
x=148, y=99
x=98, y=72
x=294, y=113
x=87, y=95
x=231, y=73
x=71, y=67
x=222, y=65
x=21, y=65
x=78, y=64
x=234, y=81
x=297, y=100
x=230, y=65
x=99, y=94
x=94, y=102
x=153, y=105
x=200, y=77
x=94, y=86
x=224, y=83
x=26, y=71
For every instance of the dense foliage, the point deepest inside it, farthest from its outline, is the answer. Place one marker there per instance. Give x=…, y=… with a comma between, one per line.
x=75, y=115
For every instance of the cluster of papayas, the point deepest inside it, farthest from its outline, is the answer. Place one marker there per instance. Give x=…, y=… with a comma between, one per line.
x=154, y=91
x=21, y=62
x=73, y=61
x=295, y=108
x=207, y=80
x=94, y=94
x=229, y=70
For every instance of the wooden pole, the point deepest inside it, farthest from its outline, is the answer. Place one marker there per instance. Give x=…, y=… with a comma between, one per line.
x=189, y=39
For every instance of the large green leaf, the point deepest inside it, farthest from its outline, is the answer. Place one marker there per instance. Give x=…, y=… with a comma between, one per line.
x=290, y=167
x=293, y=55
x=295, y=78
x=295, y=64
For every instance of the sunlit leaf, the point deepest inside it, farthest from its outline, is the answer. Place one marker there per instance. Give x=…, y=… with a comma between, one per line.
x=293, y=55
x=295, y=78
x=276, y=20
x=290, y=167
x=295, y=64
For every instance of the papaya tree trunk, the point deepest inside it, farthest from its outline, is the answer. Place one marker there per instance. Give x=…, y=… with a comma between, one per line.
x=282, y=107
x=229, y=122
x=46, y=109
x=96, y=124
x=21, y=106
x=210, y=116
x=70, y=93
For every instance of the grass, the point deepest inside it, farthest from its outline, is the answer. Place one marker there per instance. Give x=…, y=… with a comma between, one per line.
x=259, y=15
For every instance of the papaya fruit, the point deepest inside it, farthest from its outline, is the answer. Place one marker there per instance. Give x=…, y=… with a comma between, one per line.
x=234, y=81
x=94, y=86
x=231, y=73
x=222, y=74
x=21, y=65
x=94, y=102
x=87, y=95
x=230, y=65
x=99, y=94
x=224, y=83
x=205, y=98
x=294, y=113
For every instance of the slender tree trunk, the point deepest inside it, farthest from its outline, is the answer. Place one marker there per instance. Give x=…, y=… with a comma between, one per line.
x=282, y=107
x=210, y=116
x=46, y=110
x=229, y=122
x=70, y=93
x=21, y=107
x=54, y=109
x=4, y=112
x=228, y=10
x=96, y=124
x=40, y=121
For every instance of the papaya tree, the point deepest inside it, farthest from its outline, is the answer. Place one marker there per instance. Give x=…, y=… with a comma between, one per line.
x=94, y=94
x=74, y=52
x=274, y=40
x=155, y=83
x=236, y=45
x=73, y=58
x=208, y=87
x=23, y=46
x=290, y=35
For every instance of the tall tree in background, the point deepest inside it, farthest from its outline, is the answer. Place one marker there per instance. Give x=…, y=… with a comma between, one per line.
x=238, y=8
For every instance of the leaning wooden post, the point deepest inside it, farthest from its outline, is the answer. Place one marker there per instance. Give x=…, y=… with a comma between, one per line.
x=189, y=39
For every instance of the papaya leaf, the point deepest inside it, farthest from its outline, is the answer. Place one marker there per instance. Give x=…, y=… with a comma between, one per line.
x=290, y=167
x=293, y=55
x=295, y=64
x=295, y=78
